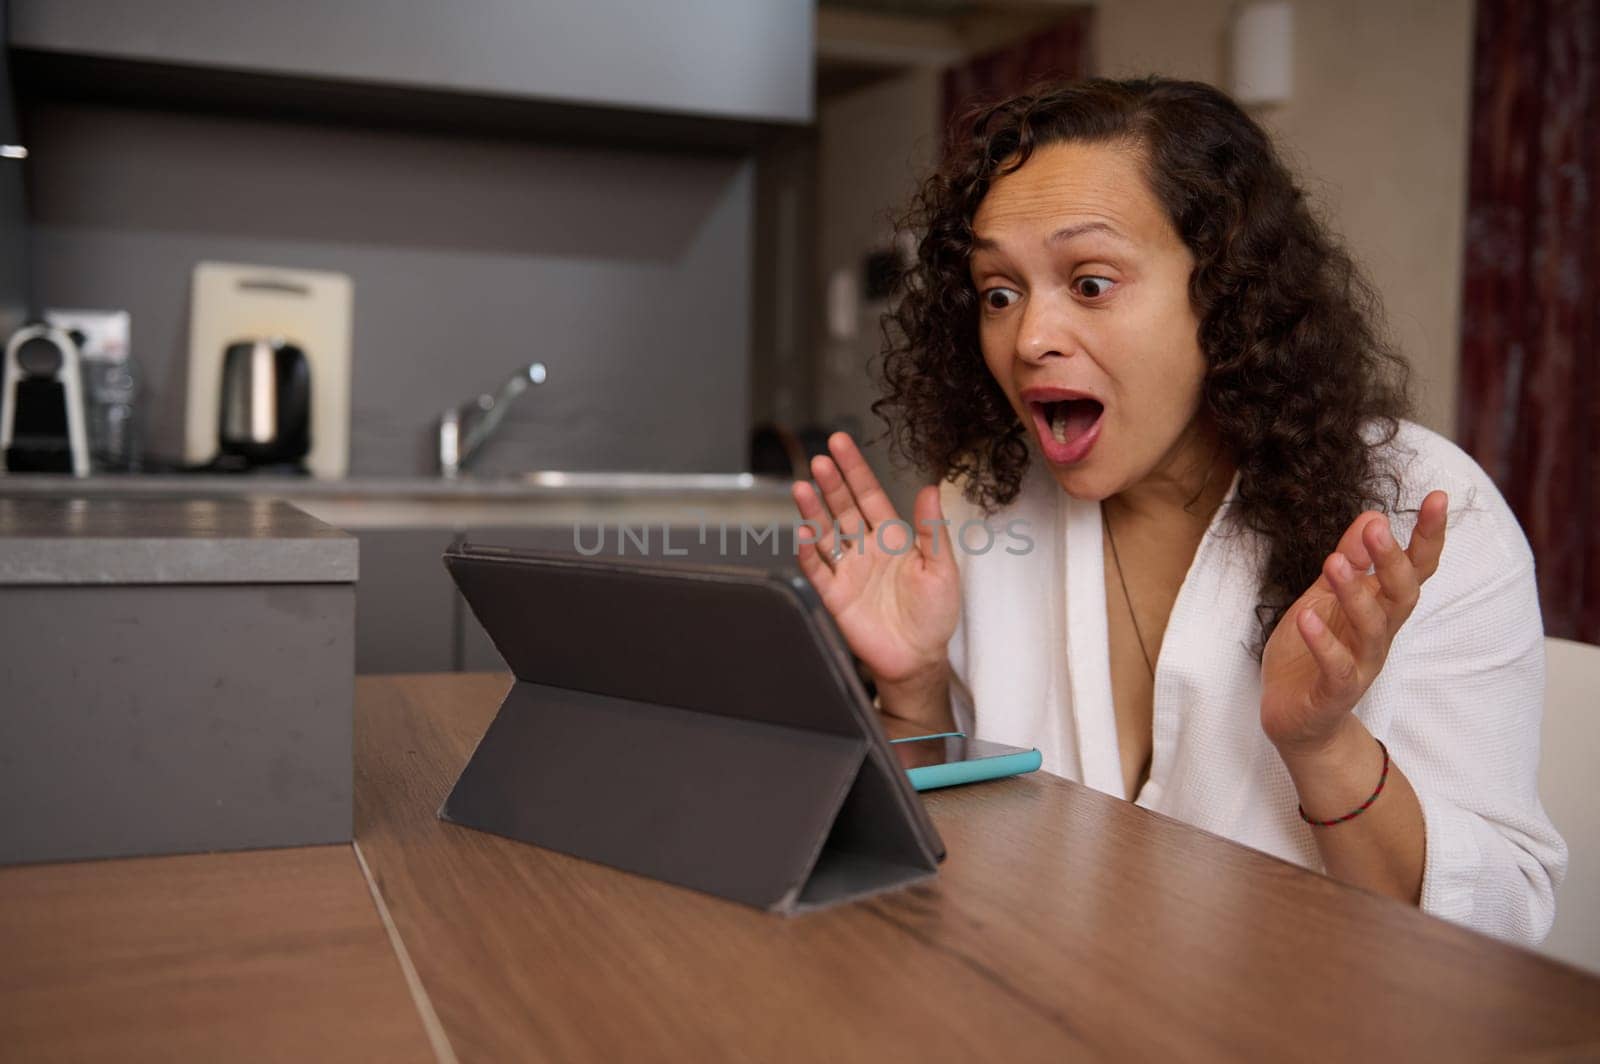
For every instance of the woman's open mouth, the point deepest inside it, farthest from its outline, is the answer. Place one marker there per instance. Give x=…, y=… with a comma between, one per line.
x=1067, y=426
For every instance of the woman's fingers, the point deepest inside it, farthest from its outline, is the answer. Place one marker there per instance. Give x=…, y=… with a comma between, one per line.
x=1427, y=539
x=847, y=520
x=857, y=501
x=815, y=569
x=933, y=531
x=1397, y=577
x=1358, y=600
x=869, y=497
x=1335, y=663
x=814, y=539
x=1351, y=544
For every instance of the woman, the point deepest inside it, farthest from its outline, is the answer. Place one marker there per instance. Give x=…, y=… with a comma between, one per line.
x=1127, y=342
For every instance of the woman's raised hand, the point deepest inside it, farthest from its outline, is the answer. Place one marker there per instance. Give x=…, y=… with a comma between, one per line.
x=1332, y=643
x=892, y=587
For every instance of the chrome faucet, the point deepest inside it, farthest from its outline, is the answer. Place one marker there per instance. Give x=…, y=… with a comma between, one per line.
x=463, y=430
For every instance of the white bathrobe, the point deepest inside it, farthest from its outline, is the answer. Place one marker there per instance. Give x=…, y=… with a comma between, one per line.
x=1458, y=702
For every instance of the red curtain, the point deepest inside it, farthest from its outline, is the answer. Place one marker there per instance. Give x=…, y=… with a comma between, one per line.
x=1060, y=52
x=1530, y=355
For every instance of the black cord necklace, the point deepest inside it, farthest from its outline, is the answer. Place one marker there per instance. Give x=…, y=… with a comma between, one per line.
x=1105, y=519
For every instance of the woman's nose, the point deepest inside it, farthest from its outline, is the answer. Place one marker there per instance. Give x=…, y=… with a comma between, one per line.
x=1047, y=330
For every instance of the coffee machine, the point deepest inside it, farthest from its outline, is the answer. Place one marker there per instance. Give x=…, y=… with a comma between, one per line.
x=42, y=424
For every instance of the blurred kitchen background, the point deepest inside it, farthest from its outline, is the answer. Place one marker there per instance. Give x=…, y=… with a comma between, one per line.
x=683, y=212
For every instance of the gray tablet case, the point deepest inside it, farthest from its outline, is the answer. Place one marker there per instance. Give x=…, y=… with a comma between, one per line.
x=697, y=724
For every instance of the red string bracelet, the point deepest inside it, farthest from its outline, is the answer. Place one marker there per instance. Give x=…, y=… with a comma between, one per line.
x=1363, y=807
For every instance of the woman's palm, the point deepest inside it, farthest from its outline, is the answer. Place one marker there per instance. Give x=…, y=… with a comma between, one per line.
x=1293, y=693
x=1333, y=642
x=896, y=610
x=892, y=588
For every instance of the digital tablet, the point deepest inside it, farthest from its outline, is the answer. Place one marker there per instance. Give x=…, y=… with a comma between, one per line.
x=701, y=724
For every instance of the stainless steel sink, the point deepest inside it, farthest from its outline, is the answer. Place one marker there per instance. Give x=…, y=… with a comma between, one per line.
x=652, y=483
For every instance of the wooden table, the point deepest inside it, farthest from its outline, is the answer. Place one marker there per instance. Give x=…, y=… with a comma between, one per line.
x=1064, y=925
x=270, y=955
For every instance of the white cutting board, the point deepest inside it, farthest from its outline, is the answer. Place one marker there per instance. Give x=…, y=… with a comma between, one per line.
x=310, y=309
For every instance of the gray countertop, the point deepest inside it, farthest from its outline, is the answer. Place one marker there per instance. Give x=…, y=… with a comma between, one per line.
x=547, y=484
x=535, y=499
x=54, y=540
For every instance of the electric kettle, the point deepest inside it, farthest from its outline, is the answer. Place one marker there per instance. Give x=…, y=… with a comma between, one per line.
x=266, y=404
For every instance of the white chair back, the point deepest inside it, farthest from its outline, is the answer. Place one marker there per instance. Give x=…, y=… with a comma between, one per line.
x=1569, y=786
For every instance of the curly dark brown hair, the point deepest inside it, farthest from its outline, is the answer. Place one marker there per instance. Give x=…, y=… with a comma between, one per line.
x=1299, y=371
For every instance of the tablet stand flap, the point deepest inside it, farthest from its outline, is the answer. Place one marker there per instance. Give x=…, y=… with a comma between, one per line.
x=732, y=807
x=873, y=845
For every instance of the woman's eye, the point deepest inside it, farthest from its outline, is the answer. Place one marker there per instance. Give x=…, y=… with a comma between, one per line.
x=999, y=298
x=1099, y=286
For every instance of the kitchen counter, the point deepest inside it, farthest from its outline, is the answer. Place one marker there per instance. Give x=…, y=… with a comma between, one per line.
x=108, y=540
x=543, y=498
x=175, y=676
x=547, y=484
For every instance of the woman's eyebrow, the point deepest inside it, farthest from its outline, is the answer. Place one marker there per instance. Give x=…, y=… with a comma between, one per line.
x=1061, y=236
x=1070, y=232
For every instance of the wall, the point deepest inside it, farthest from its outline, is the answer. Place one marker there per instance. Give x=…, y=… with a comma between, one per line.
x=873, y=146
x=783, y=330
x=627, y=272
x=1377, y=129
x=13, y=210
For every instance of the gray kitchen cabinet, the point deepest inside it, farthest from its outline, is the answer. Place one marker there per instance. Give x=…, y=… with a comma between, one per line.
x=175, y=677
x=747, y=60
x=477, y=650
x=406, y=606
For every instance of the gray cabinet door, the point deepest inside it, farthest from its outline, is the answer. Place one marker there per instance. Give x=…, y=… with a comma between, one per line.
x=739, y=59
x=406, y=606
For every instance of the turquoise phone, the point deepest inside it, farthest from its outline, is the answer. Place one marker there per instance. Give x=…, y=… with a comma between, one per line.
x=950, y=758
